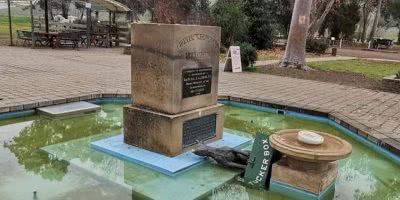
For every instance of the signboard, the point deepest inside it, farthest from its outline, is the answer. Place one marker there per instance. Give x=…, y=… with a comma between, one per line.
x=88, y=5
x=258, y=170
x=199, y=129
x=233, y=62
x=196, y=82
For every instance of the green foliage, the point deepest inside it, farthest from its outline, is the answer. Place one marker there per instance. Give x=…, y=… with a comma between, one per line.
x=259, y=29
x=316, y=46
x=229, y=16
x=280, y=15
x=398, y=75
x=343, y=20
x=248, y=54
x=394, y=11
x=372, y=69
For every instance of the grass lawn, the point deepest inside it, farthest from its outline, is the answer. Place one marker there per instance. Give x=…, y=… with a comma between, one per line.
x=272, y=54
x=18, y=23
x=371, y=69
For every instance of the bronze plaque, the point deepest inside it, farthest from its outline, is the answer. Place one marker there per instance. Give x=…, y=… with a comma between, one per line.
x=196, y=81
x=199, y=129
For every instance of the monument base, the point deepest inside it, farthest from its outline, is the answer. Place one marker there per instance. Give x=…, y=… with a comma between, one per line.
x=289, y=191
x=170, y=166
x=312, y=181
x=172, y=135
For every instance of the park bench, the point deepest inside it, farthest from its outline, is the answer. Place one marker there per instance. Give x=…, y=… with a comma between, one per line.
x=382, y=43
x=70, y=39
x=24, y=36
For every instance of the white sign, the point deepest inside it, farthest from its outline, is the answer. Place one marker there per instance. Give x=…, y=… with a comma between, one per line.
x=88, y=5
x=233, y=63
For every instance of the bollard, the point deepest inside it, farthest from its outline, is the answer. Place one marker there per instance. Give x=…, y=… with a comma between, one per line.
x=334, y=51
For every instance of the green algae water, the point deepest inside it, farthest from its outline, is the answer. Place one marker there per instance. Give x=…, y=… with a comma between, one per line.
x=79, y=172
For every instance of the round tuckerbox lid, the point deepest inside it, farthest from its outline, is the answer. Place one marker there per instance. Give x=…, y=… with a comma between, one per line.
x=332, y=148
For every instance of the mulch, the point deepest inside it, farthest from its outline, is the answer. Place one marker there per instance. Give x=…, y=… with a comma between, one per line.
x=342, y=78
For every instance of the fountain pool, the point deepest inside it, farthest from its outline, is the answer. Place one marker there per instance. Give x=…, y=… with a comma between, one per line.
x=79, y=172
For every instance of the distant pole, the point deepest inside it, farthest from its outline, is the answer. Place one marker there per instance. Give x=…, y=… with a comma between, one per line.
x=32, y=25
x=88, y=24
x=109, y=18
x=109, y=29
x=46, y=15
x=10, y=22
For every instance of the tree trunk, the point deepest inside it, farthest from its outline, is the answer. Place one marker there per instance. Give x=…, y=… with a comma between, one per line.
x=65, y=8
x=364, y=32
x=398, y=35
x=364, y=24
x=376, y=20
x=317, y=23
x=295, y=48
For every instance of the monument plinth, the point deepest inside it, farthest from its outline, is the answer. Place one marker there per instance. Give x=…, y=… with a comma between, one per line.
x=309, y=161
x=174, y=88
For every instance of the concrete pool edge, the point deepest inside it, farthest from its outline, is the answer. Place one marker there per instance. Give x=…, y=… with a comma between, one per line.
x=388, y=145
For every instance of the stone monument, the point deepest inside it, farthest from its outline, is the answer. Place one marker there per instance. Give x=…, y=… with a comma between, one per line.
x=175, y=72
x=309, y=161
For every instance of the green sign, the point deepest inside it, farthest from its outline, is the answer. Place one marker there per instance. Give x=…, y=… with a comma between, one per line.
x=259, y=164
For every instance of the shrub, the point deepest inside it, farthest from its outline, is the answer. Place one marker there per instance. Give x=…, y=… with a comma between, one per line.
x=248, y=55
x=316, y=46
x=397, y=75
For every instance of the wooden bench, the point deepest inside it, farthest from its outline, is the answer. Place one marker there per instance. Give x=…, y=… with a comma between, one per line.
x=70, y=39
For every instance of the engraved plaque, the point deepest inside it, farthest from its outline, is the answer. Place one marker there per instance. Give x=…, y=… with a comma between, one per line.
x=200, y=129
x=196, y=82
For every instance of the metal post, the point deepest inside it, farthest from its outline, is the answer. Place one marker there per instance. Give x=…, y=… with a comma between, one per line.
x=109, y=37
x=32, y=24
x=88, y=26
x=46, y=15
x=10, y=22
x=109, y=18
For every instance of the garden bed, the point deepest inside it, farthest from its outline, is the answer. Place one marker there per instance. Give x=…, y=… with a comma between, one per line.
x=362, y=74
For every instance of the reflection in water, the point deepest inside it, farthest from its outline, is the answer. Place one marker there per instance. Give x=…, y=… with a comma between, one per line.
x=43, y=132
x=355, y=178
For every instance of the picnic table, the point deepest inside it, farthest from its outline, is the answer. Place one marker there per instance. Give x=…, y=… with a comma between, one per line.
x=71, y=38
x=52, y=39
x=102, y=39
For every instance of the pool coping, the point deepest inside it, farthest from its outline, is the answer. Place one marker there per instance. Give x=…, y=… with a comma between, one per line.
x=359, y=130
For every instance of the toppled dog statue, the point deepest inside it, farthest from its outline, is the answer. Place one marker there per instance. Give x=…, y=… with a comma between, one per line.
x=224, y=156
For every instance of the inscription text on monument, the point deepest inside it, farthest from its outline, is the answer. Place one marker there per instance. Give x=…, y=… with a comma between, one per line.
x=196, y=82
x=199, y=129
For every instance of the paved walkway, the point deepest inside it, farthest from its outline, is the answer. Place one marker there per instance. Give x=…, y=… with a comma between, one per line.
x=359, y=53
x=31, y=78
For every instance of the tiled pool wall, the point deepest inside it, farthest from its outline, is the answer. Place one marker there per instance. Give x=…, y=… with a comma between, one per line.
x=352, y=128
